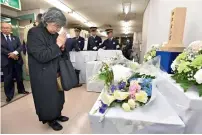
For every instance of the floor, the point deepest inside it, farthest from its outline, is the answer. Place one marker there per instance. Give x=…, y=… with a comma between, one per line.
x=19, y=116
x=17, y=96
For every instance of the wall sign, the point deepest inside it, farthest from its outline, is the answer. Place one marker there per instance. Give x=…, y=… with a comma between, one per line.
x=16, y=4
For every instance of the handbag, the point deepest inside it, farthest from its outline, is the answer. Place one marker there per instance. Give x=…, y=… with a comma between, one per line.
x=68, y=76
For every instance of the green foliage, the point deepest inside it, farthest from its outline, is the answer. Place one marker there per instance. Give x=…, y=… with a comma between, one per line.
x=138, y=75
x=106, y=74
x=199, y=87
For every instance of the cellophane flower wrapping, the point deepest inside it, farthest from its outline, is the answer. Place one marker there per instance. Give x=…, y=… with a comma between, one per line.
x=187, y=67
x=127, y=84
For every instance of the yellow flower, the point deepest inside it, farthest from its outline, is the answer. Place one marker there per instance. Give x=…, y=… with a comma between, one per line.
x=126, y=107
x=120, y=95
x=131, y=103
x=107, y=99
x=141, y=96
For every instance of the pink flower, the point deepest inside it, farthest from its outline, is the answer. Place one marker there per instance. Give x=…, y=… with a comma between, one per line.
x=134, y=88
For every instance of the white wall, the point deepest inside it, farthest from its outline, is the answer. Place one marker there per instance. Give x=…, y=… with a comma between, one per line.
x=156, y=23
x=146, y=19
x=9, y=12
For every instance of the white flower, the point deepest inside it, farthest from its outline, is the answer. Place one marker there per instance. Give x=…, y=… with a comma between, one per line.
x=156, y=45
x=149, y=57
x=198, y=76
x=173, y=65
x=120, y=72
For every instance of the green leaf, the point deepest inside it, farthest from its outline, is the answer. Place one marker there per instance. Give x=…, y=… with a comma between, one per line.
x=199, y=87
x=185, y=85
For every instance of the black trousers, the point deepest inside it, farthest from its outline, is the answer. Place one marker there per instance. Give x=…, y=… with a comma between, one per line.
x=11, y=71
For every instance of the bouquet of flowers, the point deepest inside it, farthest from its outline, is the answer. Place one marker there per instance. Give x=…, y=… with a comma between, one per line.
x=152, y=52
x=187, y=67
x=124, y=86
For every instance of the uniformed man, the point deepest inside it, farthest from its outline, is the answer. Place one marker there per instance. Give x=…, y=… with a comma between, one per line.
x=79, y=40
x=110, y=43
x=94, y=41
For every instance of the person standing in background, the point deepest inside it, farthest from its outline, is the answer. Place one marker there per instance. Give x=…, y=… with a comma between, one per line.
x=27, y=27
x=79, y=40
x=110, y=43
x=11, y=62
x=94, y=41
x=45, y=48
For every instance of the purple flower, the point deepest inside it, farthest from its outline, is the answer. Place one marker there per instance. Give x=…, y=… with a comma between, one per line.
x=119, y=101
x=122, y=85
x=103, y=108
x=113, y=88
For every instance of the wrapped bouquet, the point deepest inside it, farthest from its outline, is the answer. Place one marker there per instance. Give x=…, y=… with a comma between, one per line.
x=127, y=85
x=152, y=52
x=187, y=67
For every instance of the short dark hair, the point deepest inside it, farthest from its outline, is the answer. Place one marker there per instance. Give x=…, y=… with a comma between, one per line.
x=39, y=16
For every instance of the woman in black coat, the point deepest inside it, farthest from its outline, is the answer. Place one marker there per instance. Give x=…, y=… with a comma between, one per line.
x=45, y=48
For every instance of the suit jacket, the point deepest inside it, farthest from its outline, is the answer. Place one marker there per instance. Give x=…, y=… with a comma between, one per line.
x=5, y=51
x=94, y=42
x=80, y=42
x=71, y=44
x=109, y=44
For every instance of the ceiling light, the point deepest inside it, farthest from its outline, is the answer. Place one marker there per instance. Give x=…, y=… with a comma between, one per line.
x=78, y=17
x=89, y=24
x=126, y=7
x=59, y=5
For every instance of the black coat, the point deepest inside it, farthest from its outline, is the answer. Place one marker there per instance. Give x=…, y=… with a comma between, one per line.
x=43, y=58
x=110, y=44
x=94, y=42
x=80, y=42
x=5, y=51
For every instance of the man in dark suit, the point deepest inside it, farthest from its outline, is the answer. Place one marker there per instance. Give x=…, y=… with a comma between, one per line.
x=11, y=62
x=94, y=41
x=110, y=43
x=79, y=40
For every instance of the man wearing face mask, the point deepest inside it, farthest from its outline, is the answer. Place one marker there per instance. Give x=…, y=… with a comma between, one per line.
x=94, y=41
x=110, y=43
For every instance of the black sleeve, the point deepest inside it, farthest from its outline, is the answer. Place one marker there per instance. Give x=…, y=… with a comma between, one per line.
x=38, y=49
x=88, y=46
x=82, y=43
x=75, y=45
x=19, y=45
x=4, y=51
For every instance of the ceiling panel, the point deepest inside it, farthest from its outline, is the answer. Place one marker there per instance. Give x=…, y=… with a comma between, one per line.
x=100, y=12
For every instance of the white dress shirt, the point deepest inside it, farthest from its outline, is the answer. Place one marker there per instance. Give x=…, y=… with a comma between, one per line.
x=15, y=52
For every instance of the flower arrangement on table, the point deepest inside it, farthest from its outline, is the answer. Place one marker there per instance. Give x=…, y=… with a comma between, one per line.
x=123, y=87
x=187, y=67
x=152, y=52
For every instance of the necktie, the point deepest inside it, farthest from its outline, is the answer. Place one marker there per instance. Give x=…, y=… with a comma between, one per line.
x=10, y=46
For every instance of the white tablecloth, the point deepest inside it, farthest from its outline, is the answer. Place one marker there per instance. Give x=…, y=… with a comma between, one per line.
x=92, y=69
x=188, y=105
x=156, y=117
x=79, y=60
x=103, y=54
